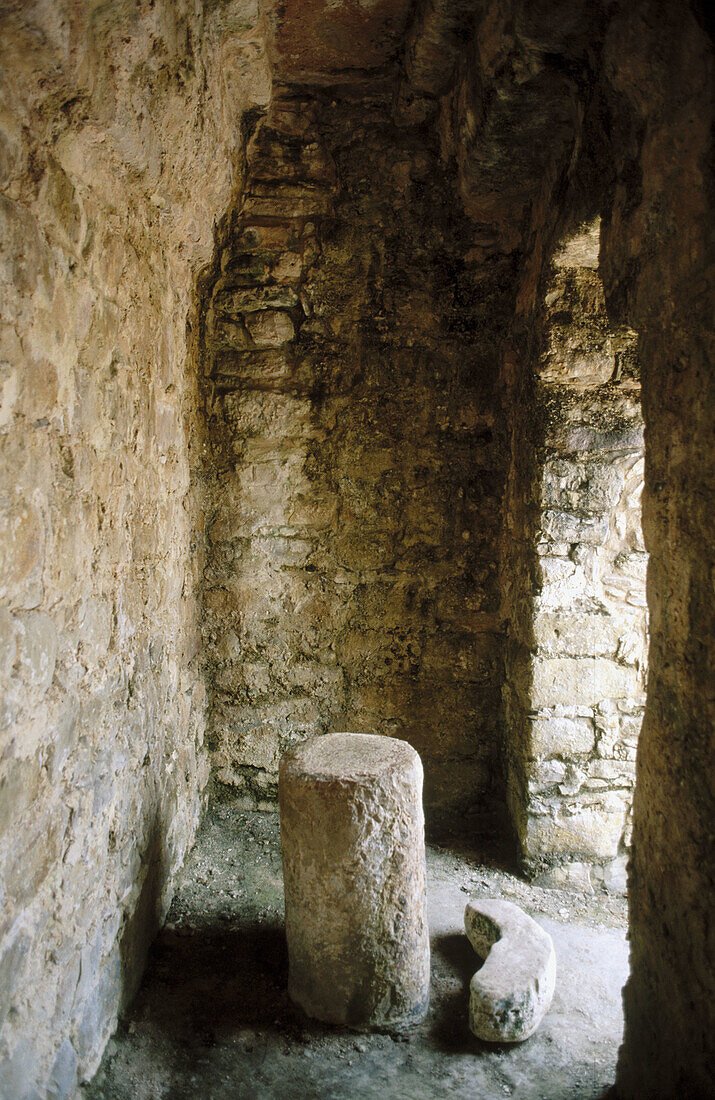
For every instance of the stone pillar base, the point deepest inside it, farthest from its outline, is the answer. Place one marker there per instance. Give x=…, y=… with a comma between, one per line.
x=352, y=833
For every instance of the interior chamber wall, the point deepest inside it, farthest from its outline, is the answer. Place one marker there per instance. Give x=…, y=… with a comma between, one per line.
x=109, y=116
x=574, y=579
x=357, y=459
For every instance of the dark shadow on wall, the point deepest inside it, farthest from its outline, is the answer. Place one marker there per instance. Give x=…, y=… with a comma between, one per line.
x=355, y=459
x=142, y=926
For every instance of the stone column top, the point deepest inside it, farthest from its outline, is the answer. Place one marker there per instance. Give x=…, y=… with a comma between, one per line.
x=356, y=757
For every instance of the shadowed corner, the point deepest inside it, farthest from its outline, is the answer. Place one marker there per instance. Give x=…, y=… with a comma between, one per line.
x=144, y=922
x=454, y=963
x=209, y=983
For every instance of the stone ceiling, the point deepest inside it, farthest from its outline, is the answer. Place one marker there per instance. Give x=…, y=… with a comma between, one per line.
x=327, y=41
x=505, y=82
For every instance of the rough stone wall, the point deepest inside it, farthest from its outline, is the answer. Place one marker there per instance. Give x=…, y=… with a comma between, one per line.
x=575, y=688
x=645, y=124
x=357, y=464
x=647, y=69
x=110, y=116
x=515, y=109
x=657, y=267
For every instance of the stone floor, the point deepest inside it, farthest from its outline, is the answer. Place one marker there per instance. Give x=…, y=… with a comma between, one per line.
x=212, y=1020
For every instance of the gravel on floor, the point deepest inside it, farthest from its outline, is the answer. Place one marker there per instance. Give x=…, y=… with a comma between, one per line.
x=212, y=1020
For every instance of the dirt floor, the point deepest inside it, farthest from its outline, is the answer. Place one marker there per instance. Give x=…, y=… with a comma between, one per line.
x=212, y=1020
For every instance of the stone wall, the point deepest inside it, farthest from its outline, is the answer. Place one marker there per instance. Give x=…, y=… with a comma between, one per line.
x=357, y=462
x=525, y=134
x=658, y=274
x=109, y=115
x=640, y=152
x=358, y=451
x=575, y=599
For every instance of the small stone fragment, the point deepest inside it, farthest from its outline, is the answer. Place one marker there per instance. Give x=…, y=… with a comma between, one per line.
x=512, y=991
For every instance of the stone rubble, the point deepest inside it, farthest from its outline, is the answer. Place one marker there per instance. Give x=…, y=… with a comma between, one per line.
x=511, y=993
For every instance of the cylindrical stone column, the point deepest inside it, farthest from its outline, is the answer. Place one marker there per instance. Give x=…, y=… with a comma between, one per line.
x=352, y=833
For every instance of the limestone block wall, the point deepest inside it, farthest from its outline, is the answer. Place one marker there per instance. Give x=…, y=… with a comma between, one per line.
x=356, y=461
x=120, y=144
x=638, y=148
x=577, y=651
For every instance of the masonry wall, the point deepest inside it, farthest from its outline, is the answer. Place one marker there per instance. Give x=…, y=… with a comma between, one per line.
x=109, y=116
x=575, y=682
x=330, y=597
x=639, y=146
x=357, y=461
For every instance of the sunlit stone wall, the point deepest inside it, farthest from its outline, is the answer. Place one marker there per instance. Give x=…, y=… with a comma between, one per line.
x=577, y=654
x=120, y=144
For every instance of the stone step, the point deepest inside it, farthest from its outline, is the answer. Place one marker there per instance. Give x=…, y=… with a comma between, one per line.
x=244, y=269
x=238, y=301
x=258, y=368
x=511, y=993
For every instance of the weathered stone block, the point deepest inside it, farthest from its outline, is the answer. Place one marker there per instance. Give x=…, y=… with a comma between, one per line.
x=545, y=775
x=248, y=300
x=100, y=1008
x=619, y=773
x=270, y=328
x=8, y=642
x=95, y=626
x=284, y=203
x=587, y=833
x=512, y=991
x=572, y=875
x=613, y=875
x=230, y=335
x=273, y=417
x=19, y=1071
x=571, y=527
x=352, y=833
x=19, y=786
x=63, y=1077
x=585, y=680
x=556, y=736
x=37, y=649
x=569, y=633
x=12, y=962
x=586, y=487
x=260, y=367
x=21, y=553
x=258, y=748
